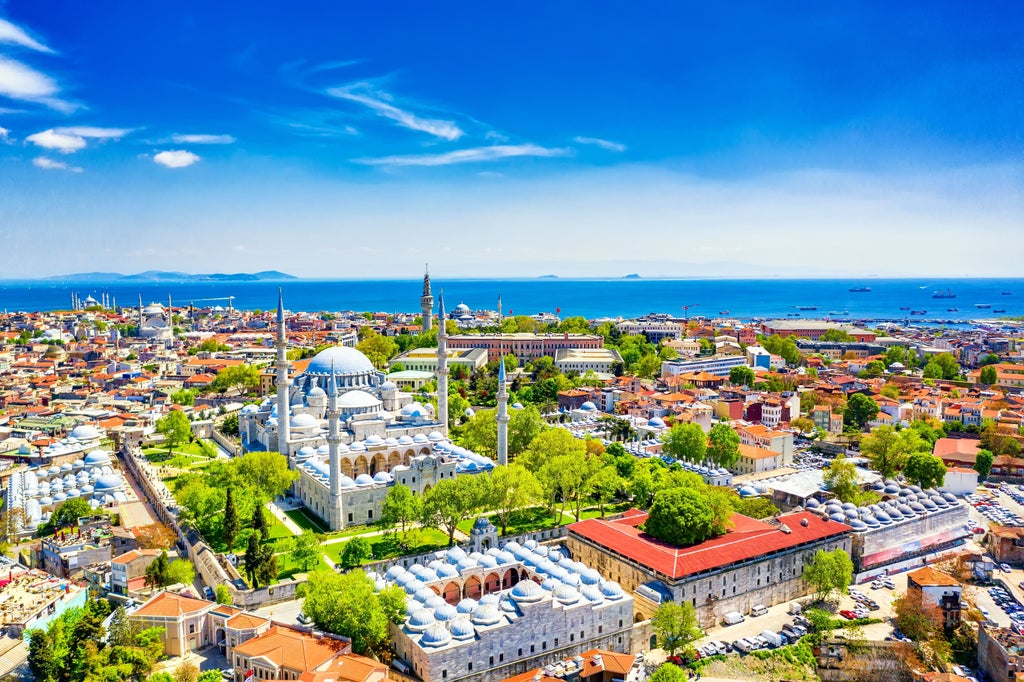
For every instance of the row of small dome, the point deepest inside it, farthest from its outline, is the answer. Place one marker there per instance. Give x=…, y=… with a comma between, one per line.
x=373, y=442
x=321, y=470
x=883, y=513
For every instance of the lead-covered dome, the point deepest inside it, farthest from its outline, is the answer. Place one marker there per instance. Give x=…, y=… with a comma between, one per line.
x=345, y=361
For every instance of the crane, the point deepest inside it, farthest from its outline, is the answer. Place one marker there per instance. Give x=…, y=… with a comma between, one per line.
x=686, y=311
x=222, y=298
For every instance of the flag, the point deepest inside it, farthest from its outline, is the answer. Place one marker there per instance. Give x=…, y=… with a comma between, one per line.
x=557, y=310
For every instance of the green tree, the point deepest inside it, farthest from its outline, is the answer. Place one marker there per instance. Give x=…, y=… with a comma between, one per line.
x=186, y=396
x=983, y=463
x=723, y=445
x=379, y=349
x=548, y=445
x=841, y=478
x=175, y=428
x=346, y=604
x=829, y=572
x=606, y=486
x=783, y=346
x=675, y=626
x=43, y=661
x=891, y=391
x=680, y=516
x=306, y=553
x=243, y=378
x=223, y=595
x=259, y=523
x=925, y=470
x=267, y=472
x=122, y=631
x=400, y=507
x=448, y=503
x=989, y=376
x=69, y=512
x=231, y=524
x=932, y=370
x=860, y=409
x=669, y=672
x=741, y=376
x=356, y=551
x=253, y=559
x=837, y=335
x=229, y=427
x=756, y=507
x=889, y=449
x=687, y=442
x=179, y=571
x=512, y=487
x=157, y=570
x=949, y=364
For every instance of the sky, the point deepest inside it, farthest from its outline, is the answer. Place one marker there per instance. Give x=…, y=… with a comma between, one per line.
x=344, y=140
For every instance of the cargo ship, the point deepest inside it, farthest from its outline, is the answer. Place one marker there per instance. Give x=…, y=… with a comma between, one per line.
x=860, y=290
x=945, y=294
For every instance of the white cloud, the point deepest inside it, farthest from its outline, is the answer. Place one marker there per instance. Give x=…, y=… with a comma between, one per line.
x=603, y=144
x=50, y=164
x=202, y=139
x=5, y=134
x=96, y=133
x=63, y=142
x=9, y=33
x=474, y=155
x=362, y=93
x=22, y=82
x=178, y=158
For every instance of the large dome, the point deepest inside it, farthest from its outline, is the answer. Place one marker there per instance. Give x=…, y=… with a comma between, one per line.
x=345, y=360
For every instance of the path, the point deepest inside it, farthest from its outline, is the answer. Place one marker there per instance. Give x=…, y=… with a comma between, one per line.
x=284, y=518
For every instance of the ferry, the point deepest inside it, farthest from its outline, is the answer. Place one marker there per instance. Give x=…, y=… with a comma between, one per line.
x=860, y=290
x=1007, y=293
x=982, y=305
x=723, y=312
x=999, y=310
x=836, y=312
x=904, y=307
x=946, y=294
x=807, y=307
x=952, y=310
x=918, y=312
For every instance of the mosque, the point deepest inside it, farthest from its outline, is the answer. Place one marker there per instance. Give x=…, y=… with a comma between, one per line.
x=351, y=434
x=155, y=322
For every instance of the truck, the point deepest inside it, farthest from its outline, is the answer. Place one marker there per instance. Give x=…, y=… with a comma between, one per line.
x=732, y=618
x=795, y=609
x=772, y=638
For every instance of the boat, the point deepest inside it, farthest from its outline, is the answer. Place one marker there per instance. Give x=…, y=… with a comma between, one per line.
x=723, y=312
x=904, y=307
x=860, y=290
x=982, y=305
x=946, y=294
x=1007, y=293
x=837, y=312
x=999, y=310
x=952, y=310
x=918, y=312
x=807, y=307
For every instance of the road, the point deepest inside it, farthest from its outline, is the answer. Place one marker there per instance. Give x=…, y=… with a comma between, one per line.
x=285, y=612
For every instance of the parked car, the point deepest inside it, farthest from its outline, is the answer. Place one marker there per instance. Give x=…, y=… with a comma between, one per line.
x=848, y=614
x=1005, y=568
x=758, y=610
x=732, y=618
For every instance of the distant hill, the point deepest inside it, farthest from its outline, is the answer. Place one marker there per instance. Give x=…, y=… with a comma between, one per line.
x=163, y=276
x=548, y=277
x=632, y=276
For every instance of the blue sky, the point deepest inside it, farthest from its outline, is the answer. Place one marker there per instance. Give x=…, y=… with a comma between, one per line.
x=581, y=138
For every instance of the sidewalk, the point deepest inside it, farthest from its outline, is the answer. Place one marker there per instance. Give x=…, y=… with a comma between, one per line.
x=283, y=518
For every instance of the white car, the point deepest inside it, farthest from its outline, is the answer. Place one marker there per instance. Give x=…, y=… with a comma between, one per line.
x=1005, y=568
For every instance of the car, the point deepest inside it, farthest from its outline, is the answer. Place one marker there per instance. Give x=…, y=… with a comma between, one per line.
x=228, y=673
x=889, y=583
x=1005, y=568
x=876, y=585
x=848, y=614
x=304, y=619
x=983, y=611
x=208, y=593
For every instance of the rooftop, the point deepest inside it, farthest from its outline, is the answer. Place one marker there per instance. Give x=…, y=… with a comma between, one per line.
x=929, y=577
x=292, y=649
x=170, y=605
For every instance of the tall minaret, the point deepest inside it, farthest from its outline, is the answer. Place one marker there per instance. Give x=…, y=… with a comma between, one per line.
x=442, y=365
x=333, y=440
x=427, y=302
x=502, y=416
x=282, y=378
x=140, y=314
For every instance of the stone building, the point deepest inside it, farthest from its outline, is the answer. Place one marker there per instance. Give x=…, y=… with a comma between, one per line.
x=494, y=614
x=1000, y=653
x=755, y=562
x=936, y=591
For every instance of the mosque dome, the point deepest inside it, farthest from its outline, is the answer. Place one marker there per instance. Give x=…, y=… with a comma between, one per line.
x=611, y=590
x=588, y=406
x=303, y=421
x=108, y=482
x=420, y=620
x=656, y=422
x=364, y=479
x=566, y=594
x=592, y=593
x=355, y=400
x=467, y=605
x=445, y=613
x=487, y=614
x=461, y=628
x=389, y=385
x=462, y=308
x=316, y=392
x=85, y=432
x=344, y=360
x=527, y=591
x=436, y=635
x=97, y=457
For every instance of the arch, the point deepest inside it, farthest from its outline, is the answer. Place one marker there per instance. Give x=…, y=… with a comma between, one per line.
x=492, y=583
x=436, y=590
x=346, y=467
x=524, y=575
x=394, y=460
x=472, y=588
x=407, y=457
x=380, y=463
x=362, y=465
x=424, y=451
x=452, y=593
x=510, y=578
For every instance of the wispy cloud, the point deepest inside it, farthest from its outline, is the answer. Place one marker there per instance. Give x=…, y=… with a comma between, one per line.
x=177, y=158
x=603, y=144
x=380, y=103
x=22, y=82
x=473, y=155
x=15, y=35
x=72, y=139
x=50, y=164
x=202, y=139
x=5, y=135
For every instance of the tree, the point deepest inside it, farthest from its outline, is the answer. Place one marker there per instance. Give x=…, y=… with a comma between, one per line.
x=69, y=512
x=891, y=391
x=253, y=559
x=988, y=375
x=157, y=570
x=243, y=378
x=379, y=349
x=512, y=487
x=229, y=426
x=925, y=470
x=267, y=472
x=306, y=553
x=669, y=672
x=179, y=571
x=448, y=503
x=723, y=445
x=186, y=672
x=914, y=620
x=686, y=442
x=741, y=376
x=346, y=604
x=231, y=524
x=828, y=572
x=175, y=428
x=186, y=396
x=605, y=486
x=155, y=536
x=932, y=370
x=756, y=507
x=42, y=659
x=223, y=595
x=259, y=523
x=400, y=507
x=675, y=626
x=266, y=569
x=783, y=346
x=680, y=516
x=860, y=409
x=889, y=449
x=803, y=424
x=949, y=365
x=356, y=551
x=983, y=464
x=837, y=335
x=841, y=478
x=548, y=445
x=122, y=631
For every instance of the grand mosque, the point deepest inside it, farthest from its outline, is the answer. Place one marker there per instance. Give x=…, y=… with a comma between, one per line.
x=351, y=434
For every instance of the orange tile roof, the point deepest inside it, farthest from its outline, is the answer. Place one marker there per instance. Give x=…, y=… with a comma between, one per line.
x=287, y=648
x=168, y=604
x=929, y=576
x=348, y=668
x=245, y=621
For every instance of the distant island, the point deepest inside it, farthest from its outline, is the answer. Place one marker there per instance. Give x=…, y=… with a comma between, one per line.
x=632, y=275
x=161, y=276
x=548, y=277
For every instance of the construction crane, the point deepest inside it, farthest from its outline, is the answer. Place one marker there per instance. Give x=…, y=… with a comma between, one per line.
x=686, y=311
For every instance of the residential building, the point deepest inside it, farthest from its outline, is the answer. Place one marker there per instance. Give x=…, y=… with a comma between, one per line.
x=758, y=435
x=1006, y=543
x=715, y=364
x=935, y=591
x=1000, y=653
x=282, y=653
x=756, y=460
x=524, y=346
x=583, y=360
x=1008, y=375
x=127, y=569
x=425, y=359
x=595, y=665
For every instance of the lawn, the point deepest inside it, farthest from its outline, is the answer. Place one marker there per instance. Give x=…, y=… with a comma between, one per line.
x=306, y=521
x=418, y=541
x=286, y=568
x=522, y=521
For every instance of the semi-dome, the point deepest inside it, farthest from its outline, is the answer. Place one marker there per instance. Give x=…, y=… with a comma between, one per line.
x=85, y=432
x=342, y=360
x=527, y=591
x=303, y=421
x=486, y=614
x=357, y=400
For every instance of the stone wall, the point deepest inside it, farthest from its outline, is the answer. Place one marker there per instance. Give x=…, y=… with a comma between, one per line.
x=839, y=661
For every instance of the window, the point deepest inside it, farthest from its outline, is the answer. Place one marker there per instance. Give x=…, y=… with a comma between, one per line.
x=470, y=666
x=444, y=674
x=350, y=517
x=369, y=513
x=492, y=660
x=556, y=641
x=520, y=652
x=600, y=629
x=544, y=645
x=501, y=657
x=532, y=648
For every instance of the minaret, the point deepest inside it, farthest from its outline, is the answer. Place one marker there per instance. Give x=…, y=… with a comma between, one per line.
x=502, y=416
x=282, y=378
x=140, y=314
x=427, y=303
x=442, y=365
x=333, y=440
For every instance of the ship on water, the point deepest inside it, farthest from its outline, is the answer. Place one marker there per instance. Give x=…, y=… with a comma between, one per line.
x=946, y=294
x=918, y=312
x=982, y=305
x=860, y=290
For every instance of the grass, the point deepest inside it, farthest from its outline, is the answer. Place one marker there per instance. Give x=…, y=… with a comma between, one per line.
x=417, y=541
x=287, y=568
x=521, y=521
x=306, y=521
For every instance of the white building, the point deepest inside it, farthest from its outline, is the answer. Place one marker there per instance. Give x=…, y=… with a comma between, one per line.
x=716, y=364
x=583, y=360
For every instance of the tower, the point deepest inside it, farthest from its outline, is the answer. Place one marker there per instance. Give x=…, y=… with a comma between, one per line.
x=140, y=315
x=427, y=303
x=333, y=440
x=282, y=378
x=442, y=365
x=502, y=415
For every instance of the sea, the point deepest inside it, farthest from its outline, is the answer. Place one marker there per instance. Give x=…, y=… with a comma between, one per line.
x=887, y=299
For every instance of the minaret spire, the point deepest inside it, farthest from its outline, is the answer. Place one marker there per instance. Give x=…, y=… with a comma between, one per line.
x=442, y=364
x=502, y=416
x=333, y=440
x=427, y=302
x=140, y=314
x=283, y=434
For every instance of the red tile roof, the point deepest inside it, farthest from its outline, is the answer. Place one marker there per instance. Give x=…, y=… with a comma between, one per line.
x=747, y=539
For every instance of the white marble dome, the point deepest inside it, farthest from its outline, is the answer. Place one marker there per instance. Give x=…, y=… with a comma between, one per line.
x=343, y=360
x=85, y=432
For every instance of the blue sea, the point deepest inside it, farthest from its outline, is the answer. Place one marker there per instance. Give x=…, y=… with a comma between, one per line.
x=739, y=298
